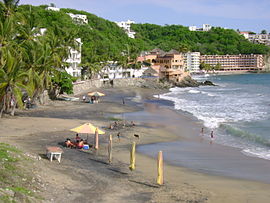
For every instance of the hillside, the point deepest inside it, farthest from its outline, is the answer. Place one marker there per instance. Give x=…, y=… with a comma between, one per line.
x=217, y=41
x=103, y=40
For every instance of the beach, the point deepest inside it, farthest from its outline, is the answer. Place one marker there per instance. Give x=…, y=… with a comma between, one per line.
x=86, y=176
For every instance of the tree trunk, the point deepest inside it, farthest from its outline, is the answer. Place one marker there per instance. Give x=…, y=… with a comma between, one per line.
x=3, y=106
x=13, y=109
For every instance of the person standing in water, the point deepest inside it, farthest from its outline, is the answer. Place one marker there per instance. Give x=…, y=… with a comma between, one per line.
x=212, y=136
x=202, y=131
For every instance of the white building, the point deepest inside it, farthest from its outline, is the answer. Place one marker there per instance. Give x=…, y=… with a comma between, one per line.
x=205, y=28
x=256, y=38
x=50, y=8
x=78, y=18
x=245, y=34
x=74, y=60
x=192, y=61
x=114, y=71
x=126, y=26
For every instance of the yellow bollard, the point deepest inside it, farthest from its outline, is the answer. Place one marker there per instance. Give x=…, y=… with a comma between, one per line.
x=132, y=156
x=160, y=179
x=96, y=139
x=110, y=149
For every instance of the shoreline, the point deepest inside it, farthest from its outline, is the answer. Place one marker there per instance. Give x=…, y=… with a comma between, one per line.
x=181, y=184
x=209, y=157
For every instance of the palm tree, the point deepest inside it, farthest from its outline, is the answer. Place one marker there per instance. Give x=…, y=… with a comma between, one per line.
x=9, y=7
x=12, y=80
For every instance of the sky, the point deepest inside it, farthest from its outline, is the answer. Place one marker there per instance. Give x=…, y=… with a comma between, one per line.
x=245, y=15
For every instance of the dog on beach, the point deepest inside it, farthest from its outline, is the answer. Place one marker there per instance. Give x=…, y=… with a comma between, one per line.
x=137, y=136
x=118, y=135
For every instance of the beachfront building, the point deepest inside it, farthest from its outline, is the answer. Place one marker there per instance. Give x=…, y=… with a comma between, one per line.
x=113, y=71
x=171, y=65
x=74, y=60
x=250, y=62
x=205, y=28
x=126, y=26
x=192, y=61
x=78, y=18
x=150, y=57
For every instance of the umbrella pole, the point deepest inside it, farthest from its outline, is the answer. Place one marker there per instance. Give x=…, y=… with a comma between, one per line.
x=96, y=139
x=160, y=179
x=132, y=156
x=110, y=149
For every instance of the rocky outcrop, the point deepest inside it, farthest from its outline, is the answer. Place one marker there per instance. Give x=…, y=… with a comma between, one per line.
x=187, y=82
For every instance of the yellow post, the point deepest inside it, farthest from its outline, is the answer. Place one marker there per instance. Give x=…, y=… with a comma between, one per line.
x=132, y=156
x=110, y=149
x=96, y=139
x=160, y=179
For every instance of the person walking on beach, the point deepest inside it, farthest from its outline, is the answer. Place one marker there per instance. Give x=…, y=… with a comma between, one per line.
x=123, y=100
x=212, y=136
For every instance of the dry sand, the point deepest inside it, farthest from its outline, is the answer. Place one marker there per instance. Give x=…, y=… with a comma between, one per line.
x=84, y=176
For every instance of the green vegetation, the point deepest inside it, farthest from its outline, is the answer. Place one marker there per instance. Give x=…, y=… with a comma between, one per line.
x=13, y=177
x=208, y=67
x=102, y=40
x=217, y=41
x=28, y=60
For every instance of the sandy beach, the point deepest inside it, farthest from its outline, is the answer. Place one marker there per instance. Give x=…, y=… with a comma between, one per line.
x=86, y=176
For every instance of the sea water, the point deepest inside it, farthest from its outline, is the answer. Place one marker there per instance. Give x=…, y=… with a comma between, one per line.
x=237, y=110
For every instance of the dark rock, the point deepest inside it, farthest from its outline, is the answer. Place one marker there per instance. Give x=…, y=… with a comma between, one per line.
x=207, y=82
x=187, y=82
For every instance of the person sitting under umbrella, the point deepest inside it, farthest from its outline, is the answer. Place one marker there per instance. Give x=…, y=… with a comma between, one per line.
x=77, y=138
x=80, y=144
x=70, y=144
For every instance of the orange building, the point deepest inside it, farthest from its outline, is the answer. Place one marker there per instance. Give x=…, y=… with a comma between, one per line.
x=239, y=62
x=168, y=65
x=171, y=65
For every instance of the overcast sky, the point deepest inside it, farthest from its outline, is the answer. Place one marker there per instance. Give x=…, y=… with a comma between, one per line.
x=246, y=15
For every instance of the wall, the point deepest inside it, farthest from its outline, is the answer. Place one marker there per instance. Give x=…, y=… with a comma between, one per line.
x=84, y=86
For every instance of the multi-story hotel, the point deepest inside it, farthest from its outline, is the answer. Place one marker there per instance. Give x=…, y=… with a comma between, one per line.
x=74, y=60
x=171, y=65
x=239, y=62
x=192, y=61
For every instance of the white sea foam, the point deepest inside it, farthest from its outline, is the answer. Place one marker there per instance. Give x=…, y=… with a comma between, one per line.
x=216, y=105
x=239, y=103
x=194, y=91
x=257, y=152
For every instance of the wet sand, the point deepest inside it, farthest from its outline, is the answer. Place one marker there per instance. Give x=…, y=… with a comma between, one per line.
x=84, y=176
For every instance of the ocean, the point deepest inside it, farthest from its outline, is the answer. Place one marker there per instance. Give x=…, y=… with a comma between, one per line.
x=237, y=110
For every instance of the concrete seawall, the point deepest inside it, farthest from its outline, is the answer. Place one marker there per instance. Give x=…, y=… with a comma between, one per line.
x=83, y=86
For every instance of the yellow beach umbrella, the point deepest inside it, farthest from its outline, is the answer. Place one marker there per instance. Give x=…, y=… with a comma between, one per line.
x=97, y=94
x=87, y=128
